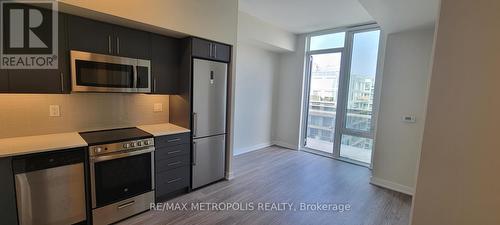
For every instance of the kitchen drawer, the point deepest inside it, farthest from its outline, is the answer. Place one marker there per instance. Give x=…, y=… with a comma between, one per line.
x=172, y=163
x=172, y=140
x=172, y=180
x=173, y=151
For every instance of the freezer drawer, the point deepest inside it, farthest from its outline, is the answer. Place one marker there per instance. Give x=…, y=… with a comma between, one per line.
x=209, y=98
x=209, y=160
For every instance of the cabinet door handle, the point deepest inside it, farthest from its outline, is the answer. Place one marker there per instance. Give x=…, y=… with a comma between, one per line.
x=195, y=124
x=175, y=163
x=173, y=152
x=194, y=153
x=109, y=44
x=174, y=180
x=62, y=82
x=210, y=47
x=215, y=51
x=174, y=140
x=117, y=45
x=154, y=84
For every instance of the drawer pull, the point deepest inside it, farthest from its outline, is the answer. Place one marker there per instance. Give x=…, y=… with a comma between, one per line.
x=174, y=180
x=173, y=152
x=126, y=205
x=174, y=140
x=175, y=163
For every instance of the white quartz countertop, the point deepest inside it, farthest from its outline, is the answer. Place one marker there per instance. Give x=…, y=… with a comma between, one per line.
x=163, y=129
x=41, y=143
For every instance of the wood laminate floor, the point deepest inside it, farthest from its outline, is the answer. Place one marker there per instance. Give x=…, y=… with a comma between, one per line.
x=277, y=175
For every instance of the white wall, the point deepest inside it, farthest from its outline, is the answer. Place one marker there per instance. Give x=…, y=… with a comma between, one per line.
x=458, y=177
x=288, y=107
x=255, y=77
x=257, y=65
x=404, y=91
x=264, y=35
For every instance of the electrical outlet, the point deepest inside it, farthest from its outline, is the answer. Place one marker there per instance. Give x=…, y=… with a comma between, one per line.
x=54, y=111
x=158, y=107
x=409, y=119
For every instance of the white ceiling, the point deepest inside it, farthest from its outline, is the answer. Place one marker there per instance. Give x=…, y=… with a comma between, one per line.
x=399, y=15
x=303, y=16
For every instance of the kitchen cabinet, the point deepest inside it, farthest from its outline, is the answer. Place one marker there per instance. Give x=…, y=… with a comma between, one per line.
x=97, y=37
x=132, y=43
x=4, y=81
x=165, y=64
x=172, y=165
x=211, y=50
x=51, y=81
x=8, y=209
x=90, y=35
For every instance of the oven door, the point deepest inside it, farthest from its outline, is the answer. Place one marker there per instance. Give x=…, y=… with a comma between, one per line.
x=92, y=72
x=120, y=176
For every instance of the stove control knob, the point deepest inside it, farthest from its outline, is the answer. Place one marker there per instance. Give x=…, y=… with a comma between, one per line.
x=126, y=145
x=98, y=150
x=139, y=143
x=146, y=142
x=132, y=144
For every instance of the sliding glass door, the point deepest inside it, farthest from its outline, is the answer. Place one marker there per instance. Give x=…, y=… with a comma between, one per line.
x=341, y=75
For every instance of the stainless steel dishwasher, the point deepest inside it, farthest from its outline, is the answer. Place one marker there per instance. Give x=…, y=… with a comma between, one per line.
x=50, y=188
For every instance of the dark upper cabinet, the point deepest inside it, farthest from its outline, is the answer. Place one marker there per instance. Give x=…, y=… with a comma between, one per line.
x=103, y=38
x=51, y=81
x=90, y=35
x=8, y=209
x=211, y=50
x=165, y=64
x=132, y=43
x=4, y=81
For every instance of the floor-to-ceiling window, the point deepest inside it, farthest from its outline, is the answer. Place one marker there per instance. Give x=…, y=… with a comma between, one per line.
x=341, y=75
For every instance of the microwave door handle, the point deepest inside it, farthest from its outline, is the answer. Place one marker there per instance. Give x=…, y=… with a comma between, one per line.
x=134, y=68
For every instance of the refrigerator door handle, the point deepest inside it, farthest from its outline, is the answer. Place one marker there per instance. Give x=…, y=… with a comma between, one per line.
x=195, y=124
x=194, y=153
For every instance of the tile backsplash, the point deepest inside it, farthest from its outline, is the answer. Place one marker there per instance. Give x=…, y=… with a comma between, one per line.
x=28, y=114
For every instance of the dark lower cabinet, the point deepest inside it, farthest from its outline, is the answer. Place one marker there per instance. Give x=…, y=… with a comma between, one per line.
x=8, y=211
x=4, y=81
x=172, y=166
x=165, y=64
x=50, y=81
x=211, y=50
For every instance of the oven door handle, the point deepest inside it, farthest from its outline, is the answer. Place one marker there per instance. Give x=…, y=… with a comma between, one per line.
x=121, y=155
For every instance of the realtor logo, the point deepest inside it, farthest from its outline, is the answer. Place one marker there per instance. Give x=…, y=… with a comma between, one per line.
x=29, y=35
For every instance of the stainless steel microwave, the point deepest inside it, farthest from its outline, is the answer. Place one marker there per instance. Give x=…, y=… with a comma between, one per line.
x=91, y=72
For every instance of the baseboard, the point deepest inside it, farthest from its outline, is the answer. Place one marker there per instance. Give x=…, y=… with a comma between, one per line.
x=284, y=145
x=392, y=186
x=251, y=148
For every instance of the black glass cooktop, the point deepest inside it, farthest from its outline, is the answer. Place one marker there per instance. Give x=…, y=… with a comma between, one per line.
x=115, y=135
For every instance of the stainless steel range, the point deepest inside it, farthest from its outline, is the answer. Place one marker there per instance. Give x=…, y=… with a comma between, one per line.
x=121, y=173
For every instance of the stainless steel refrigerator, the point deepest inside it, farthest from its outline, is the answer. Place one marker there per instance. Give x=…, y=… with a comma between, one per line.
x=209, y=121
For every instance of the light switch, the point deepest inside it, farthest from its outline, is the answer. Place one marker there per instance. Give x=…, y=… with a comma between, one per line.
x=54, y=111
x=158, y=107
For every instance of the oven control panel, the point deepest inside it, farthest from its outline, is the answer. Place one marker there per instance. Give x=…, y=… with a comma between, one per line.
x=121, y=146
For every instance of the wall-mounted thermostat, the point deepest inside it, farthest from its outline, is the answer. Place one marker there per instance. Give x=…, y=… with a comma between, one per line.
x=409, y=119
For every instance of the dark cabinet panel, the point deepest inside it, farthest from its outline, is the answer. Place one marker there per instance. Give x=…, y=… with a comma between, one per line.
x=4, y=81
x=8, y=211
x=45, y=80
x=165, y=64
x=211, y=50
x=132, y=43
x=172, y=140
x=222, y=52
x=90, y=35
x=170, y=181
x=163, y=153
x=202, y=48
